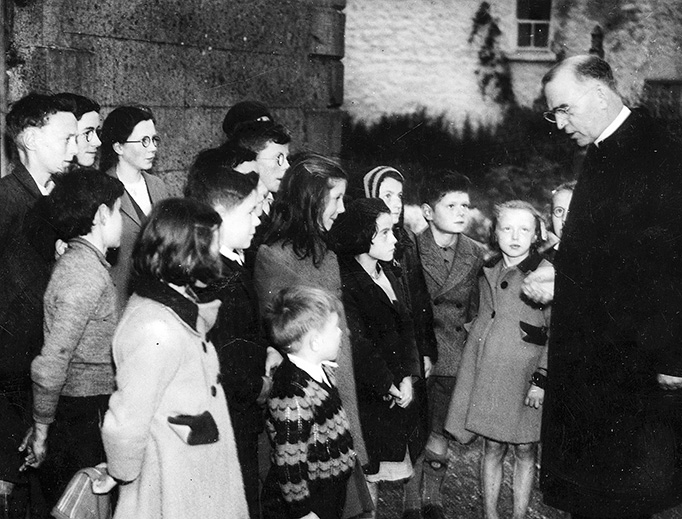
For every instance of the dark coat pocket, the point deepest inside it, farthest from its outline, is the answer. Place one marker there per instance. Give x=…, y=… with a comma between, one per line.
x=533, y=334
x=199, y=429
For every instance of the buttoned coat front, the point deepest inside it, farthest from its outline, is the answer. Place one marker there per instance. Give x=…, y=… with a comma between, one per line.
x=166, y=368
x=384, y=352
x=454, y=295
x=506, y=344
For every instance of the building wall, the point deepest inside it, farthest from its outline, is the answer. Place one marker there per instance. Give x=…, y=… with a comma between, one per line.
x=402, y=54
x=190, y=60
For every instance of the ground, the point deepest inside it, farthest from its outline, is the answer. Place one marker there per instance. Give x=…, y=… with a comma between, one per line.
x=462, y=499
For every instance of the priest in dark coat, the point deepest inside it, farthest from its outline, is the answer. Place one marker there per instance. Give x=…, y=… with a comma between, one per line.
x=611, y=432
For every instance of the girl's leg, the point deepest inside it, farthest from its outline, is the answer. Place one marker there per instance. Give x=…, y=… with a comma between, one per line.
x=491, y=476
x=524, y=476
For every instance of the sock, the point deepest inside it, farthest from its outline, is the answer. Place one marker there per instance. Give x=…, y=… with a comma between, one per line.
x=412, y=488
x=435, y=467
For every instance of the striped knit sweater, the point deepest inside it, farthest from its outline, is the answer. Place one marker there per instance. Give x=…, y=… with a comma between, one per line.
x=310, y=435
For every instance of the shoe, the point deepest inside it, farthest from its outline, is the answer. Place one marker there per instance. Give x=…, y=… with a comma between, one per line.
x=412, y=513
x=433, y=512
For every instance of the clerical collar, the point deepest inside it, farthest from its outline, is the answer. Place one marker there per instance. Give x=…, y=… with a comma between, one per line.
x=615, y=124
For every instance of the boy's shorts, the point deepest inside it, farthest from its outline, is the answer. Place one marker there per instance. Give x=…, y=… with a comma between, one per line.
x=439, y=390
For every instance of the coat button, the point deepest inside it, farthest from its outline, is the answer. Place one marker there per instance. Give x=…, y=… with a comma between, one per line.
x=203, y=345
x=504, y=285
x=214, y=391
x=458, y=305
x=492, y=316
x=458, y=328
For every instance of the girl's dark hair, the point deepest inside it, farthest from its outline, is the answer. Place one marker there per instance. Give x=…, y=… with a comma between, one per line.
x=81, y=104
x=355, y=229
x=117, y=127
x=516, y=204
x=174, y=245
x=76, y=197
x=302, y=199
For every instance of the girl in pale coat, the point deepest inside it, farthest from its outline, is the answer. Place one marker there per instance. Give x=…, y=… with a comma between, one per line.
x=167, y=433
x=501, y=379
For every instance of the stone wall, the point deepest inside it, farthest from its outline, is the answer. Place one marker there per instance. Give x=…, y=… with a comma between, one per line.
x=403, y=54
x=190, y=60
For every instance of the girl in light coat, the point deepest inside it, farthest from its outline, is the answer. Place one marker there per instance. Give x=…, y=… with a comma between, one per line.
x=167, y=433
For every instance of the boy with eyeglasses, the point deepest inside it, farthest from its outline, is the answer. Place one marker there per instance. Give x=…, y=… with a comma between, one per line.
x=87, y=114
x=267, y=146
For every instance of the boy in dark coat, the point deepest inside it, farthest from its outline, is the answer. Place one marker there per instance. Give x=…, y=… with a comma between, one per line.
x=245, y=358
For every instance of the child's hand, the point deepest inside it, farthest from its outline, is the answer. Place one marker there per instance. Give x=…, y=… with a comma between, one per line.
x=405, y=392
x=272, y=361
x=105, y=483
x=535, y=396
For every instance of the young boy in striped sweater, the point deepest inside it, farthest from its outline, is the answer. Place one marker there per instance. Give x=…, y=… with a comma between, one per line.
x=312, y=447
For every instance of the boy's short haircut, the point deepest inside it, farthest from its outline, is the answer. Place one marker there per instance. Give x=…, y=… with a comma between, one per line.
x=438, y=184
x=297, y=310
x=81, y=104
x=256, y=135
x=212, y=180
x=76, y=197
x=34, y=110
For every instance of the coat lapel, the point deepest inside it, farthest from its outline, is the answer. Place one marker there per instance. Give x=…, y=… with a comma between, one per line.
x=26, y=180
x=126, y=203
x=465, y=259
x=431, y=259
x=155, y=187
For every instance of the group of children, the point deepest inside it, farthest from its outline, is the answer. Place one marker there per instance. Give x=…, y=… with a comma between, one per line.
x=262, y=301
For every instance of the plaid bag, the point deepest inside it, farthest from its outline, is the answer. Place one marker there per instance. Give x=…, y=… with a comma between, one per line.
x=79, y=501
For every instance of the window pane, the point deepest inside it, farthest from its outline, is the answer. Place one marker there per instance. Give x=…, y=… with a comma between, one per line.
x=533, y=9
x=541, y=35
x=524, y=38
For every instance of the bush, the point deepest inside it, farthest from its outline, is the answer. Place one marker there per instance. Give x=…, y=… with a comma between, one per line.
x=522, y=157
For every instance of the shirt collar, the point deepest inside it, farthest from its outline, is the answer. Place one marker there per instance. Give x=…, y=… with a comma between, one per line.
x=615, y=124
x=314, y=370
x=233, y=255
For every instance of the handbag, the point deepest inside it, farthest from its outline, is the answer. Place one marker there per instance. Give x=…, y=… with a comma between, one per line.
x=79, y=501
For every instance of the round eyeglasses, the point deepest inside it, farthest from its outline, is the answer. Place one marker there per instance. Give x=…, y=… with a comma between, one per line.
x=559, y=212
x=280, y=158
x=147, y=140
x=89, y=134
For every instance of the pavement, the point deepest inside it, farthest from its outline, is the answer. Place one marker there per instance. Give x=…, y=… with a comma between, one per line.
x=461, y=493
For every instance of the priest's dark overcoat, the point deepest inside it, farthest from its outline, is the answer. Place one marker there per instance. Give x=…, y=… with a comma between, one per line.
x=611, y=436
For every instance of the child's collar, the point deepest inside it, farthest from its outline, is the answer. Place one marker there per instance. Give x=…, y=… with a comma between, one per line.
x=527, y=265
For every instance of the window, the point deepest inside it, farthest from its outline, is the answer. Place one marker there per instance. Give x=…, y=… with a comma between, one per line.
x=663, y=98
x=533, y=23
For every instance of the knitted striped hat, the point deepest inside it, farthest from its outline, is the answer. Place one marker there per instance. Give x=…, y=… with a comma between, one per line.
x=374, y=178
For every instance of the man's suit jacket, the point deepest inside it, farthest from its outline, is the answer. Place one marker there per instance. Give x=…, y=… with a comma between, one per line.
x=25, y=262
x=121, y=258
x=454, y=295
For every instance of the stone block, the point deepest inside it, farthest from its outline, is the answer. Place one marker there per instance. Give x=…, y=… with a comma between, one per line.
x=136, y=72
x=327, y=27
